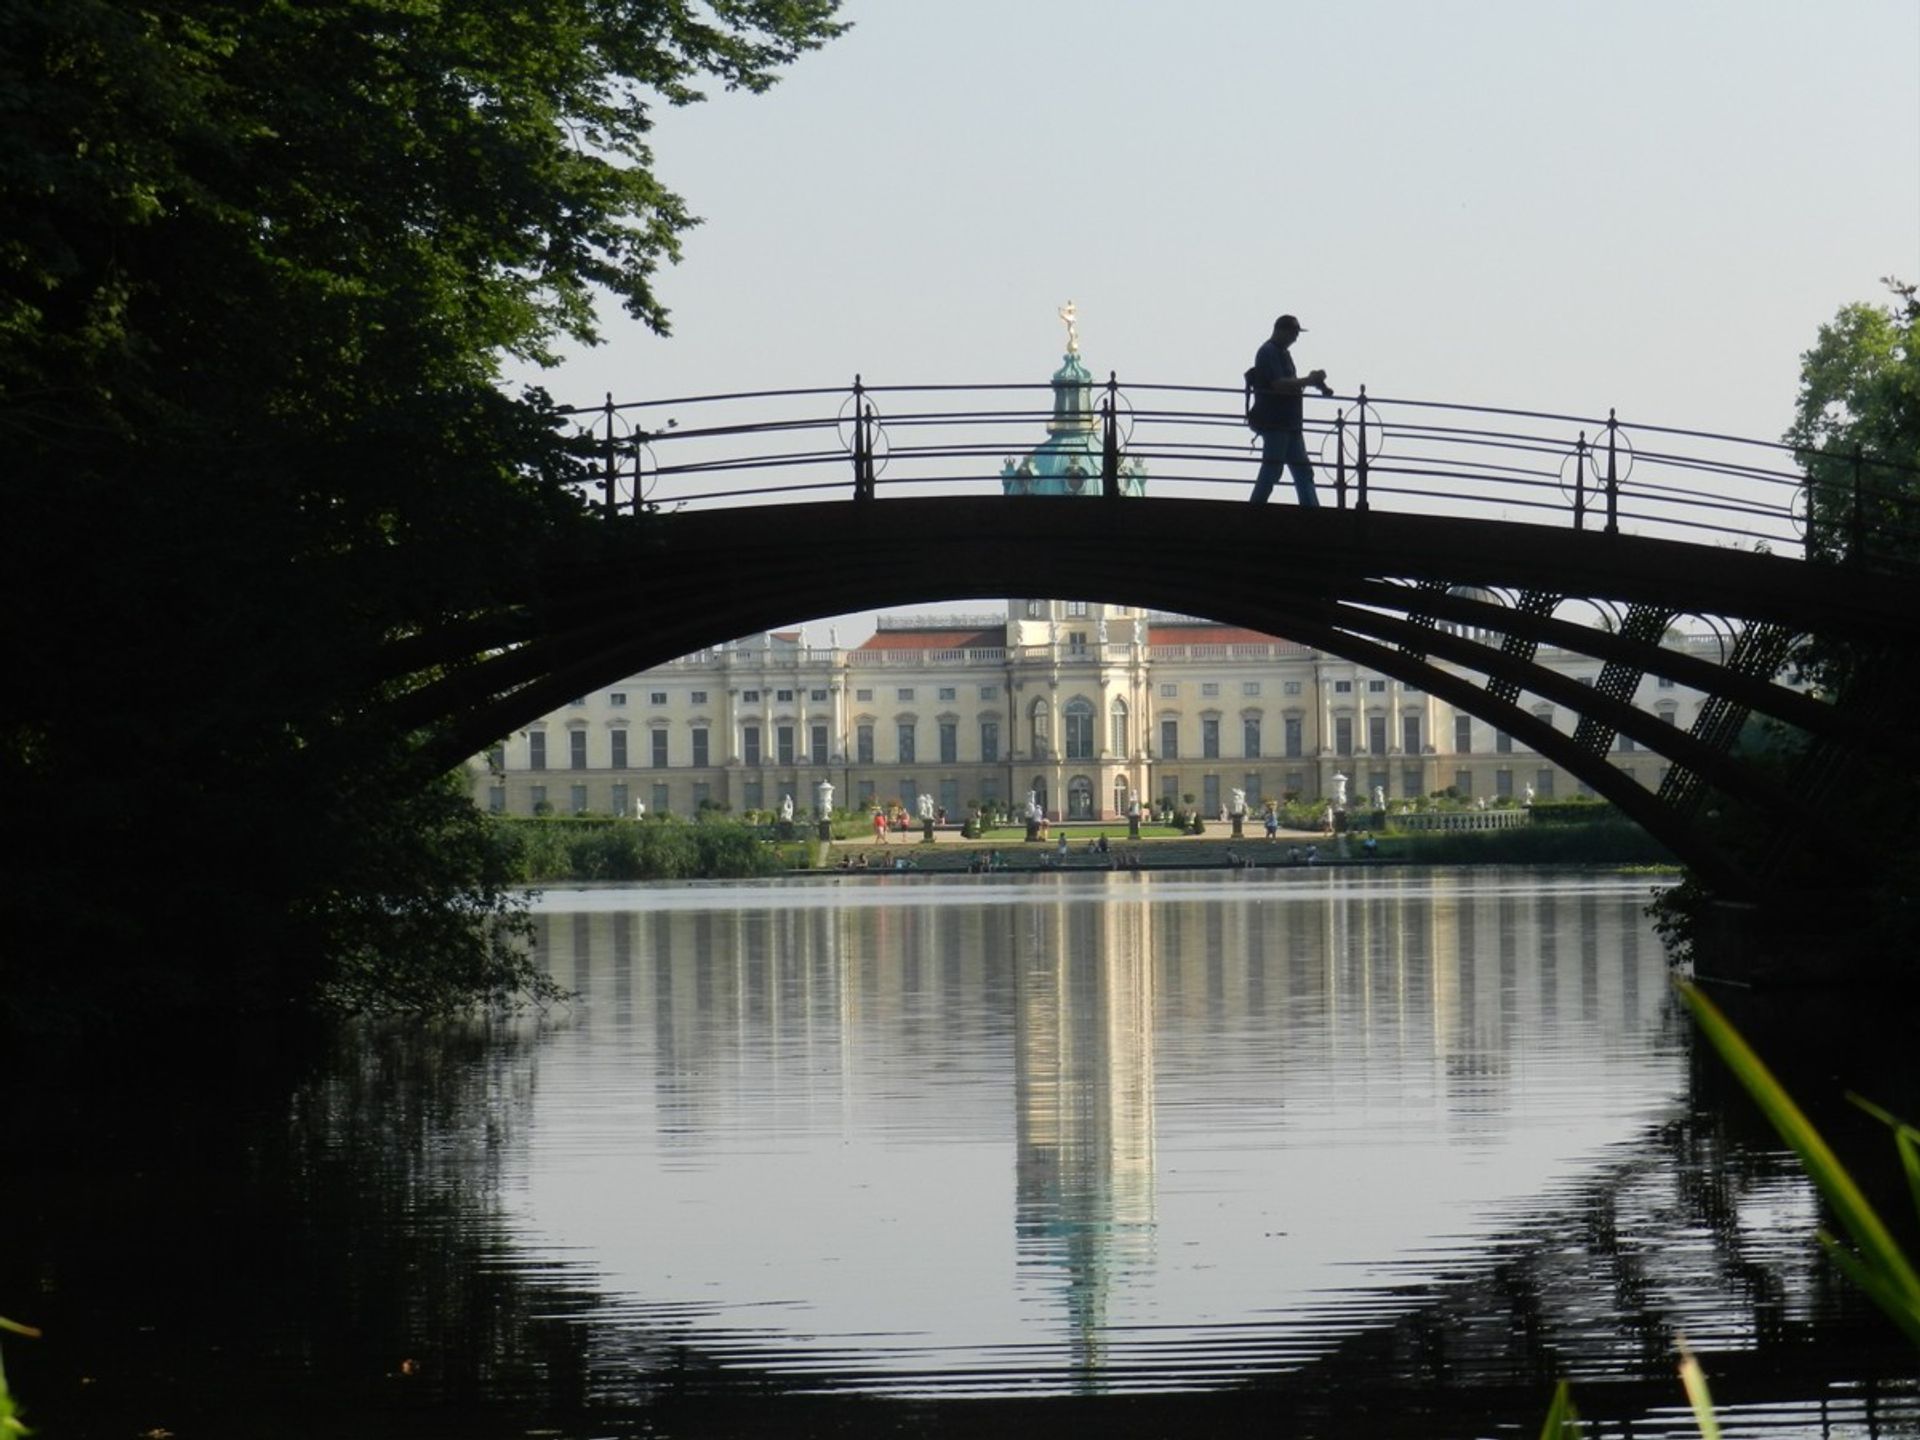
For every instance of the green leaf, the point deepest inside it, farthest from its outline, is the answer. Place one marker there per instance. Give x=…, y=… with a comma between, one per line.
x=1563, y=1421
x=1694, y=1380
x=1878, y=1251
x=1906, y=1140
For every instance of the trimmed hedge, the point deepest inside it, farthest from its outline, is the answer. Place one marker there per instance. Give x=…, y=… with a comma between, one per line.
x=658, y=848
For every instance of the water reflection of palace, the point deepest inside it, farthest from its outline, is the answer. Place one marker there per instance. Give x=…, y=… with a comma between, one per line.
x=1292, y=1001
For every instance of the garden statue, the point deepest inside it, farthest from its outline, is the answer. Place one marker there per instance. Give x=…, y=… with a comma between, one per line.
x=1339, y=790
x=1529, y=795
x=926, y=807
x=1379, y=797
x=1100, y=630
x=1238, y=804
x=824, y=792
x=786, y=808
x=639, y=809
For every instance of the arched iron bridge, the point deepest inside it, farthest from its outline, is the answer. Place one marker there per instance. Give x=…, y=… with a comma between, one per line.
x=1462, y=534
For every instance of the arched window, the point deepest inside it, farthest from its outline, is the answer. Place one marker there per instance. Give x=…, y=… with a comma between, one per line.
x=1080, y=797
x=1117, y=728
x=1077, y=717
x=1121, y=795
x=1042, y=717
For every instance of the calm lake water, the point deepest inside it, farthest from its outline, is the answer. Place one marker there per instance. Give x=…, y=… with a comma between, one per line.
x=1330, y=1151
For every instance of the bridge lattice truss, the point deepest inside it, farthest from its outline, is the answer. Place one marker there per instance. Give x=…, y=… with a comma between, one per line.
x=1453, y=542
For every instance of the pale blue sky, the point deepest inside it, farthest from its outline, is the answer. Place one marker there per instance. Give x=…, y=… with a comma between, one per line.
x=1559, y=206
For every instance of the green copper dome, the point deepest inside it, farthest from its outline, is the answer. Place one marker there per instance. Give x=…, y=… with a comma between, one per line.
x=1067, y=462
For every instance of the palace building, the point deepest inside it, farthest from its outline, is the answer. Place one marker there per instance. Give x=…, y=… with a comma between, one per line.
x=1087, y=704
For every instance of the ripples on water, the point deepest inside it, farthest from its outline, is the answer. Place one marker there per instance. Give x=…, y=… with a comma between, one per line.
x=1328, y=1145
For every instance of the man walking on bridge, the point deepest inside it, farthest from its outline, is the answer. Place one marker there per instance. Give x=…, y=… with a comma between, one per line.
x=1275, y=414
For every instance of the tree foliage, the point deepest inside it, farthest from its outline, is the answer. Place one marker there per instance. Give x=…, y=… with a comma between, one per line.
x=260, y=263
x=1856, y=427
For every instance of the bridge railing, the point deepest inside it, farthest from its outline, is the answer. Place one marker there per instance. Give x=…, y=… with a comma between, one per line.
x=1595, y=472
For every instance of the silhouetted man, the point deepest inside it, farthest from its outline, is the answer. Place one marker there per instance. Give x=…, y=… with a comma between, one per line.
x=1276, y=413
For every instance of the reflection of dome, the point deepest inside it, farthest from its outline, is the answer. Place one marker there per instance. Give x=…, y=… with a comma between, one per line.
x=1067, y=462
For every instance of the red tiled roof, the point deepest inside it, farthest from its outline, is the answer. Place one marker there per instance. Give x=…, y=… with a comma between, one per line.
x=791, y=636
x=938, y=639
x=1210, y=635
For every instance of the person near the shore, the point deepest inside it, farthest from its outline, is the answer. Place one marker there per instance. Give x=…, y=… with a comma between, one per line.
x=1273, y=825
x=879, y=827
x=1276, y=415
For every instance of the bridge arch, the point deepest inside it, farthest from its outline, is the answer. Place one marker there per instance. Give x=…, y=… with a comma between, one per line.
x=1399, y=594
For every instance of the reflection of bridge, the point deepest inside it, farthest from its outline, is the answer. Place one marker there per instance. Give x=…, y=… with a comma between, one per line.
x=1681, y=1230
x=1456, y=542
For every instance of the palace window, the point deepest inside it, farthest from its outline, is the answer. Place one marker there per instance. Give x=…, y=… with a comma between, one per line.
x=1410, y=734
x=617, y=697
x=863, y=744
x=1376, y=734
x=700, y=746
x=1292, y=736
x=1463, y=734
x=904, y=742
x=1117, y=736
x=863, y=695
x=617, y=743
x=949, y=742
x=989, y=739
x=783, y=697
x=1343, y=735
x=536, y=750
x=1209, y=738
x=750, y=746
x=658, y=739
x=1169, y=739
x=820, y=754
x=576, y=749
x=698, y=697
x=947, y=692
x=783, y=744
x=1078, y=717
x=1250, y=737
x=1041, y=716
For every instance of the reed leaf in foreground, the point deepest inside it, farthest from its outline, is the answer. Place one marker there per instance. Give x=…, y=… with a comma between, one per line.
x=1563, y=1421
x=1876, y=1263
x=1694, y=1380
x=10, y=1421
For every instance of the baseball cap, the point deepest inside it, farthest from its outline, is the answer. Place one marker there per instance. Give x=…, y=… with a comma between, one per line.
x=1291, y=322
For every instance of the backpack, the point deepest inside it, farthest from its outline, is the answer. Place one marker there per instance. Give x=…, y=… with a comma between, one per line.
x=1259, y=402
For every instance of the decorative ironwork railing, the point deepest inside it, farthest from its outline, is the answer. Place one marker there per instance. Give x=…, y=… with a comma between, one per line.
x=1401, y=454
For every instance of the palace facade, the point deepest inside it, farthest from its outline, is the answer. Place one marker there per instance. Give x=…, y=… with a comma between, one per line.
x=1087, y=704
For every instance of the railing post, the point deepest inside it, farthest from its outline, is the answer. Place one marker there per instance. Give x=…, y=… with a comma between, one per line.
x=1110, y=443
x=1361, y=467
x=862, y=444
x=1580, y=482
x=1613, y=474
x=1340, y=459
x=610, y=466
